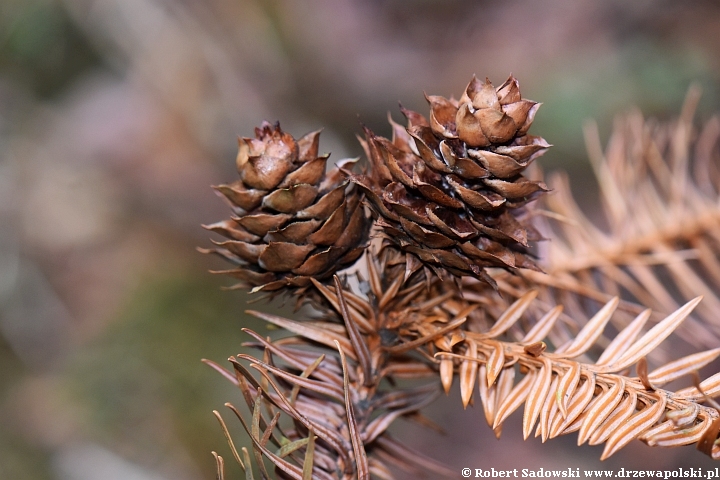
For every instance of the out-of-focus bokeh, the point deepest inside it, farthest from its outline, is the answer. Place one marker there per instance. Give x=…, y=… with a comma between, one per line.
x=116, y=116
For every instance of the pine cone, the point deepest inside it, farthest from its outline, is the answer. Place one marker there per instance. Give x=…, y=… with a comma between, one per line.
x=293, y=220
x=449, y=191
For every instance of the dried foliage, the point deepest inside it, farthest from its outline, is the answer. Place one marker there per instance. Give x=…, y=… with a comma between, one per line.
x=597, y=400
x=336, y=378
x=562, y=343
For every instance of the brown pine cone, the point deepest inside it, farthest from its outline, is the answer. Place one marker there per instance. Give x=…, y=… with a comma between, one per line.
x=293, y=221
x=449, y=191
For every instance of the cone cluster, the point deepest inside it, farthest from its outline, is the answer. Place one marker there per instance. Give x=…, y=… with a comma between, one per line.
x=449, y=191
x=293, y=221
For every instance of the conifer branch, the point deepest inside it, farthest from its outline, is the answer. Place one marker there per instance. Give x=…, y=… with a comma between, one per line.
x=451, y=286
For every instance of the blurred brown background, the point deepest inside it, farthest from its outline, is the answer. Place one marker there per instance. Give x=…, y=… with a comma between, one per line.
x=117, y=115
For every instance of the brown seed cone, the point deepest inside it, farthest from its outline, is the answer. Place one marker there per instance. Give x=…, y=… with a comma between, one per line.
x=449, y=191
x=293, y=221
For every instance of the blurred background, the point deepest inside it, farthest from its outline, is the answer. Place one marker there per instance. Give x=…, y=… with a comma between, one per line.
x=116, y=116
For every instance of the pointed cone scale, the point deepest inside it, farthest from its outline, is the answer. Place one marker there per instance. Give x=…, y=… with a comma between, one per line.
x=283, y=257
x=308, y=146
x=291, y=200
